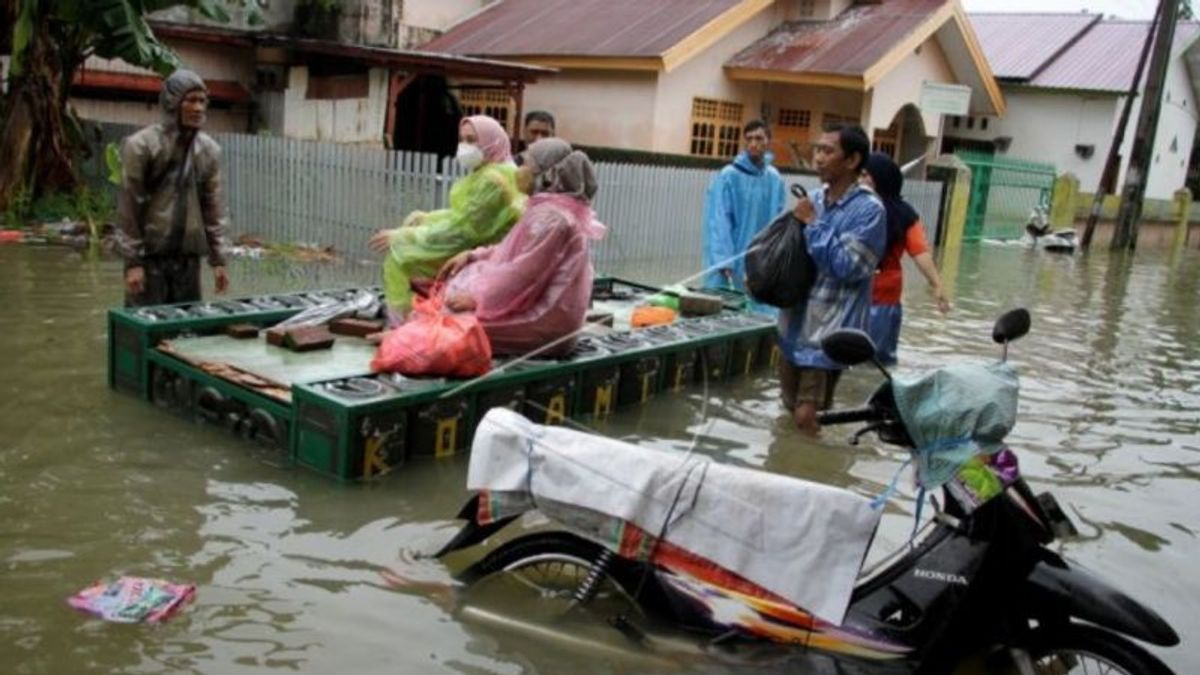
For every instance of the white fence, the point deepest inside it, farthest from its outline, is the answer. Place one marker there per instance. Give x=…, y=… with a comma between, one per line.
x=294, y=191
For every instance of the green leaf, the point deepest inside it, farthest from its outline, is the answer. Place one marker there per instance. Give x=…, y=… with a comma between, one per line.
x=22, y=34
x=213, y=9
x=122, y=32
x=112, y=159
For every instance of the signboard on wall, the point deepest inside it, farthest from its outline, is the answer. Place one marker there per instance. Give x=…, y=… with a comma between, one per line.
x=938, y=98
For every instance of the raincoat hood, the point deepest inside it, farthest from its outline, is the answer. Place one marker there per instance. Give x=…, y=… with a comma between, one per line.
x=562, y=170
x=744, y=163
x=174, y=89
x=493, y=139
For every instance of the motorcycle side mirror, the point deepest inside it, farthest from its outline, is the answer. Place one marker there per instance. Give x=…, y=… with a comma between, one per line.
x=1012, y=326
x=848, y=347
x=851, y=347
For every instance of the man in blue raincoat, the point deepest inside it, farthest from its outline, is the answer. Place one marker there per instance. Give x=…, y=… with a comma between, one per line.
x=743, y=199
x=845, y=234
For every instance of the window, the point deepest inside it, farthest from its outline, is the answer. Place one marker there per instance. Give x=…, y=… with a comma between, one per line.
x=886, y=140
x=884, y=145
x=970, y=122
x=495, y=103
x=807, y=7
x=716, y=127
x=957, y=121
x=983, y=123
x=790, y=118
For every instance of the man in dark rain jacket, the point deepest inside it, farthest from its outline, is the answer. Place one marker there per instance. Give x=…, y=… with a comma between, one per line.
x=169, y=207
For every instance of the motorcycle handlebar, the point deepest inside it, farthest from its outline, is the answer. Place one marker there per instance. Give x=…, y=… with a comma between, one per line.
x=848, y=416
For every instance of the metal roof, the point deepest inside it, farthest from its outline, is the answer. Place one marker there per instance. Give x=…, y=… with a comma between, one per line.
x=847, y=45
x=400, y=59
x=1105, y=57
x=1019, y=45
x=598, y=28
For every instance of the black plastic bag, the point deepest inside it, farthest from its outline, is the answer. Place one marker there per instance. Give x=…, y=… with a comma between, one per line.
x=779, y=271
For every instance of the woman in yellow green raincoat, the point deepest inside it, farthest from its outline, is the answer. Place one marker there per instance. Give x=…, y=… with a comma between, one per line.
x=484, y=205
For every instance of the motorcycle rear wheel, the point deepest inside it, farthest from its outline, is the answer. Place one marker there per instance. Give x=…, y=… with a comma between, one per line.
x=1078, y=649
x=552, y=565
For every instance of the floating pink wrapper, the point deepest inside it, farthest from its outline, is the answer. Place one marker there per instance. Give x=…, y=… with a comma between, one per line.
x=133, y=599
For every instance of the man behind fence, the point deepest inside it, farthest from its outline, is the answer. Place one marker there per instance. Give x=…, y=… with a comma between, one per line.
x=743, y=199
x=169, y=206
x=845, y=233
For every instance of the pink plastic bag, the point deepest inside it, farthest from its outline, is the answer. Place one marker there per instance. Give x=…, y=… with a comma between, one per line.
x=433, y=343
x=133, y=599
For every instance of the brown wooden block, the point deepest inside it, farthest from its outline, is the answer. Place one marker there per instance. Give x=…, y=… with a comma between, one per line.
x=355, y=327
x=275, y=336
x=242, y=331
x=308, y=339
x=699, y=304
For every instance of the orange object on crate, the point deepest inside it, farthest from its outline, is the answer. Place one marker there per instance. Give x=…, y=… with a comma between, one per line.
x=647, y=316
x=11, y=236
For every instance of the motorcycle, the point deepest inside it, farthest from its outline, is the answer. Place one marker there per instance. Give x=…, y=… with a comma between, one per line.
x=1038, y=234
x=976, y=587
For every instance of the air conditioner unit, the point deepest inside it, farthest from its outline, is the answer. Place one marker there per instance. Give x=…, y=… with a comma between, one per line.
x=1002, y=143
x=1085, y=151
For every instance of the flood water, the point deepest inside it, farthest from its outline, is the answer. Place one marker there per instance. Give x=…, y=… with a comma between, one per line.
x=288, y=565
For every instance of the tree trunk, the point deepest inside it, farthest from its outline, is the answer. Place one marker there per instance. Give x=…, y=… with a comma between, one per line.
x=34, y=127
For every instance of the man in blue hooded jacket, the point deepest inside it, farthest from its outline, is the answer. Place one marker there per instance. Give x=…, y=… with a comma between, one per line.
x=743, y=199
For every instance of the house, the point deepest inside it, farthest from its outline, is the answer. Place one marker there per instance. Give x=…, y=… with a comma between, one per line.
x=683, y=76
x=371, y=89
x=1065, y=77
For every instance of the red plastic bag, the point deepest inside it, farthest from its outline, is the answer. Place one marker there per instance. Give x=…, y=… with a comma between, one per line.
x=435, y=344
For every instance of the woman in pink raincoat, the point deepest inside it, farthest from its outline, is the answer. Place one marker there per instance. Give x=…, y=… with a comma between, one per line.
x=531, y=290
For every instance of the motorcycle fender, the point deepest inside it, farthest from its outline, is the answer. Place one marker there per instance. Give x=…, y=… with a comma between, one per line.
x=472, y=533
x=1062, y=587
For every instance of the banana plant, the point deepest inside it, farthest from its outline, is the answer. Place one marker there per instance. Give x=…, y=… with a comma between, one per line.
x=49, y=40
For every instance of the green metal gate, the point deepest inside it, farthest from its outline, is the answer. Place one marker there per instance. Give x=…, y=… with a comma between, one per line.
x=1004, y=192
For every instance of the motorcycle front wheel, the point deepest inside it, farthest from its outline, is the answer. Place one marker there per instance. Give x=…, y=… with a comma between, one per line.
x=1078, y=649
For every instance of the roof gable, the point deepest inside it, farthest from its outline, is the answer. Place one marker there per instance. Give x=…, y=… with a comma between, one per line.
x=863, y=44
x=1018, y=46
x=1080, y=52
x=850, y=44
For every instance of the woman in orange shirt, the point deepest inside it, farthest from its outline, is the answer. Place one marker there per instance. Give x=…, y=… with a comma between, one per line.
x=905, y=234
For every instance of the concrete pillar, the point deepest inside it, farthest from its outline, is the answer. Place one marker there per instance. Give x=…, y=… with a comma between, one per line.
x=1063, y=201
x=957, y=177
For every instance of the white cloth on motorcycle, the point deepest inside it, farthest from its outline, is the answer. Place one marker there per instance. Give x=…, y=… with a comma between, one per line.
x=954, y=413
x=803, y=541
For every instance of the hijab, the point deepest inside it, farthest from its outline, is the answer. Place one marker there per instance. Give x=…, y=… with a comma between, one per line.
x=492, y=138
x=562, y=169
x=888, y=183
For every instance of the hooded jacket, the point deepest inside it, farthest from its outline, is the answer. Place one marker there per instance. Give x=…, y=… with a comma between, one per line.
x=742, y=200
x=156, y=174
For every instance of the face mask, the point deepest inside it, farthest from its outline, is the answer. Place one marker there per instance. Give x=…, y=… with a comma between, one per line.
x=469, y=156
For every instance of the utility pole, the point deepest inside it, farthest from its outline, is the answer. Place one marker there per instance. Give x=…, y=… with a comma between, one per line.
x=1112, y=166
x=1142, y=154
